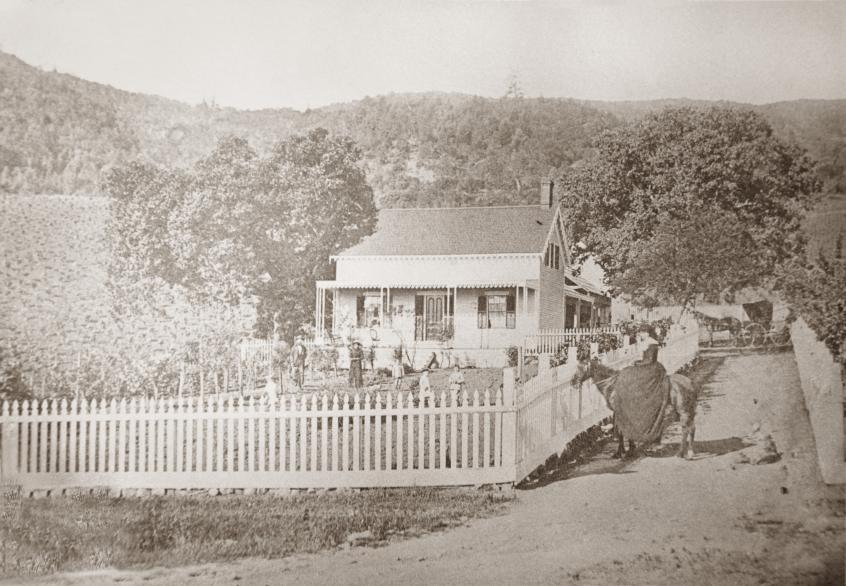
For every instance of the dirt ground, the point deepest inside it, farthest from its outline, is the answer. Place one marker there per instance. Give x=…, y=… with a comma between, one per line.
x=653, y=520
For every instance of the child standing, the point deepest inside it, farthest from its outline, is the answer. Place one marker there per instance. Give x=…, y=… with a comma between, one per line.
x=397, y=372
x=425, y=393
x=456, y=383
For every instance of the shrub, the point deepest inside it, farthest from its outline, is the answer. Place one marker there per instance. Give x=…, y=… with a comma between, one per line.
x=815, y=290
x=512, y=354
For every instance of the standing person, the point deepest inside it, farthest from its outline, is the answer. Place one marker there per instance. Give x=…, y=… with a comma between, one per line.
x=456, y=380
x=298, y=360
x=398, y=373
x=456, y=383
x=356, y=359
x=425, y=393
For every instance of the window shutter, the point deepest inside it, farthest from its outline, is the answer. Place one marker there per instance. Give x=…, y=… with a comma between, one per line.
x=359, y=310
x=510, y=303
x=482, y=312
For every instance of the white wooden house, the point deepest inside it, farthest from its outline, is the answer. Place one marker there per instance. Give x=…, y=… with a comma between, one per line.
x=468, y=281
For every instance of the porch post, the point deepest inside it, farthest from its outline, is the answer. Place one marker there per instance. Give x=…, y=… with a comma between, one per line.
x=454, y=308
x=577, y=315
x=381, y=305
x=334, y=310
x=317, y=310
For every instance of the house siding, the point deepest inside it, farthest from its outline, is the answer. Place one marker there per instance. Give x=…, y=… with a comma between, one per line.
x=551, y=314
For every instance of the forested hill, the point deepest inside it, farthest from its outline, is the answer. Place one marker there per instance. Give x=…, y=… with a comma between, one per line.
x=58, y=134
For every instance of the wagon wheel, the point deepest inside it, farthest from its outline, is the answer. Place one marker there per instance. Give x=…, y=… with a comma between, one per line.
x=755, y=334
x=741, y=340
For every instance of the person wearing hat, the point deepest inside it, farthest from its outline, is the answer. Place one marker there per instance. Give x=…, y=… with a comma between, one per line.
x=356, y=359
x=647, y=344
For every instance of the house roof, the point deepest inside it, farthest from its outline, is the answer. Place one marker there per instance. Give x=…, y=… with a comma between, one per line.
x=580, y=283
x=455, y=231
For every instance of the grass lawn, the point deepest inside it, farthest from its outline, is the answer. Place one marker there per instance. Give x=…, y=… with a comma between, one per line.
x=91, y=532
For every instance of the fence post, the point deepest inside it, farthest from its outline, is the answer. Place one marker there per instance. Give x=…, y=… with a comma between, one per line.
x=509, y=422
x=9, y=445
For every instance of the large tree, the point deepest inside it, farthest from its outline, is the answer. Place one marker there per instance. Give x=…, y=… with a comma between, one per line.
x=240, y=227
x=690, y=202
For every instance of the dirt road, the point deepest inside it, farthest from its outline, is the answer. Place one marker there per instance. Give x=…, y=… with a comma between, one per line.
x=654, y=520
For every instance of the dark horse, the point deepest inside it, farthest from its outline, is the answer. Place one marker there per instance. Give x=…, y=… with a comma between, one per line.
x=681, y=404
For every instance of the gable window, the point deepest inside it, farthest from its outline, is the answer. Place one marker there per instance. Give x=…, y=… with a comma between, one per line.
x=552, y=256
x=496, y=310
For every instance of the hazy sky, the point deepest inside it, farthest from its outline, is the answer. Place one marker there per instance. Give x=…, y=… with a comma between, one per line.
x=253, y=54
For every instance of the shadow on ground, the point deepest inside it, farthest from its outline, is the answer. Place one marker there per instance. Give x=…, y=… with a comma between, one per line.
x=594, y=453
x=596, y=458
x=707, y=449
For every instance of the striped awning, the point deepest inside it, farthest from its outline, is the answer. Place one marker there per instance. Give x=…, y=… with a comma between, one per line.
x=486, y=284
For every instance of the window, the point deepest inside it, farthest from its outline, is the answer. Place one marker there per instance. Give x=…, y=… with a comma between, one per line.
x=552, y=256
x=367, y=310
x=496, y=310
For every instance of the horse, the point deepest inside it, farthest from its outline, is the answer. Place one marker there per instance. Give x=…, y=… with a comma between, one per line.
x=719, y=324
x=682, y=404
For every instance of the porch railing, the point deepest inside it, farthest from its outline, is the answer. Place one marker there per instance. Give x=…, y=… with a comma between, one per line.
x=550, y=341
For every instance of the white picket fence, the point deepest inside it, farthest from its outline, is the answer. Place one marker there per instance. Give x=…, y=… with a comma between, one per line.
x=357, y=440
x=822, y=385
x=549, y=341
x=313, y=440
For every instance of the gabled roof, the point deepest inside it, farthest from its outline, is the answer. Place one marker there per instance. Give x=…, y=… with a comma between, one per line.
x=456, y=231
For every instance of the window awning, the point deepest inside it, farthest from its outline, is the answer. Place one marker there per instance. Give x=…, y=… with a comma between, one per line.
x=486, y=284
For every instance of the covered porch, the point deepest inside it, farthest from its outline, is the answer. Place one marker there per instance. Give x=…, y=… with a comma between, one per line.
x=464, y=315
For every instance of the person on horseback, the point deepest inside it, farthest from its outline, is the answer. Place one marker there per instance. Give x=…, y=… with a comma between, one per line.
x=648, y=345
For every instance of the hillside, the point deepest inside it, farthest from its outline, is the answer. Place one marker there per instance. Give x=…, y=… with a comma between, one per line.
x=58, y=134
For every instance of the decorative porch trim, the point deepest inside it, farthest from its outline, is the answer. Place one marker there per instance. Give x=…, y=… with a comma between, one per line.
x=528, y=283
x=399, y=257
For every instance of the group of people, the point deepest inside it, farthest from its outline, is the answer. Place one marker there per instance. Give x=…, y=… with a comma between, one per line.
x=299, y=353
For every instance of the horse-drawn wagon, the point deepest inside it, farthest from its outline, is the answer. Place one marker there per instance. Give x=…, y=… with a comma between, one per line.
x=756, y=328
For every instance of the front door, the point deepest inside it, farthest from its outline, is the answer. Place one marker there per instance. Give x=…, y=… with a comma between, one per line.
x=434, y=315
x=431, y=308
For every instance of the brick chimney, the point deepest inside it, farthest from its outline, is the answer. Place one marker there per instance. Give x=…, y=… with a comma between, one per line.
x=547, y=193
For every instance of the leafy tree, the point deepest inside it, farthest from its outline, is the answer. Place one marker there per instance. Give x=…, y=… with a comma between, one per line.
x=815, y=289
x=690, y=202
x=238, y=227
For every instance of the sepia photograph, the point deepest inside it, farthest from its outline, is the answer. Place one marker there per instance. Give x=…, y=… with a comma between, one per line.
x=364, y=292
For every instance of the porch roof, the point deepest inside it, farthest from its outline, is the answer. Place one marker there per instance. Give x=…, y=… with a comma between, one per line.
x=573, y=292
x=486, y=284
x=580, y=283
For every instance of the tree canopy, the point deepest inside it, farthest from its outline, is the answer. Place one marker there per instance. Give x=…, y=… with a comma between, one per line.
x=238, y=227
x=815, y=287
x=688, y=202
